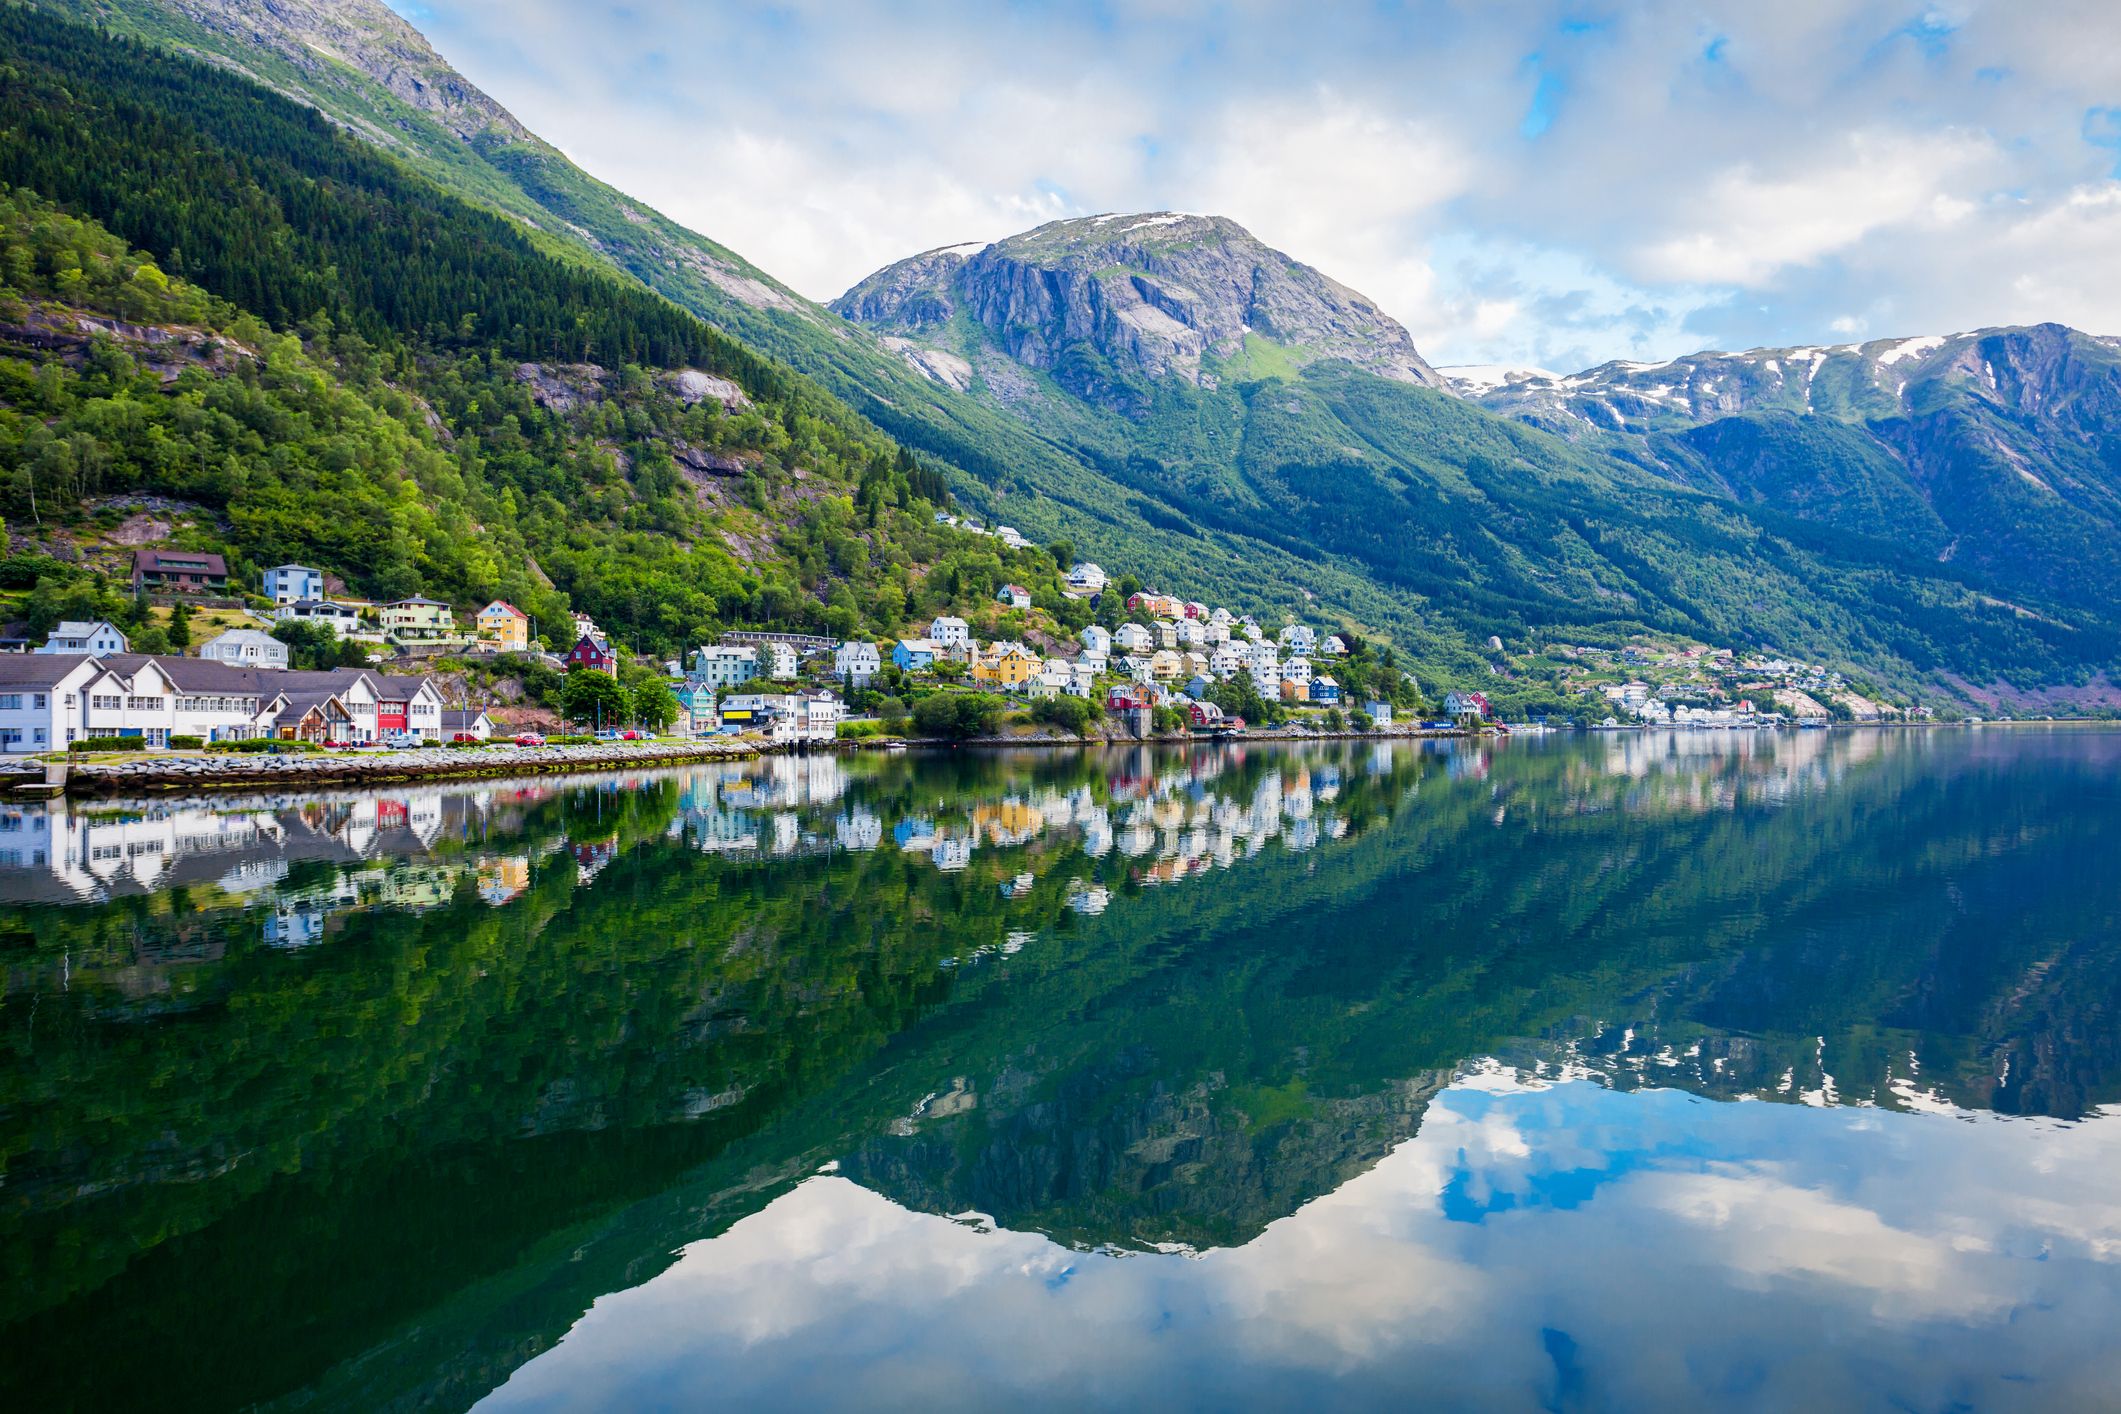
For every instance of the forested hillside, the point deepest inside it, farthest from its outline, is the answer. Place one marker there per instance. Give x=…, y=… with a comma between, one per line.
x=359, y=370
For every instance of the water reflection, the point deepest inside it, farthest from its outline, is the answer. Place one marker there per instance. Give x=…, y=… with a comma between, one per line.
x=367, y=1097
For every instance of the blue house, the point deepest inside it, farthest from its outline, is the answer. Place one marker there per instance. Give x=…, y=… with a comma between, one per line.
x=1325, y=690
x=915, y=655
x=293, y=584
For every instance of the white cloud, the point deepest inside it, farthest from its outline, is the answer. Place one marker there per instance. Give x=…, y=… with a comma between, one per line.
x=1750, y=227
x=1513, y=183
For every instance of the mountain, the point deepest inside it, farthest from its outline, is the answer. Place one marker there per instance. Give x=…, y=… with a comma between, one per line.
x=1238, y=388
x=1998, y=450
x=1103, y=300
x=1184, y=404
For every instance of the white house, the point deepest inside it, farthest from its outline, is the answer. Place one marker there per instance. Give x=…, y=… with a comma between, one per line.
x=291, y=584
x=1009, y=535
x=99, y=639
x=1014, y=595
x=344, y=619
x=1085, y=578
x=1132, y=638
x=1334, y=646
x=1227, y=661
x=1296, y=670
x=245, y=648
x=1380, y=713
x=856, y=662
x=1299, y=639
x=40, y=699
x=949, y=632
x=1097, y=639
x=1192, y=633
x=781, y=662
x=461, y=721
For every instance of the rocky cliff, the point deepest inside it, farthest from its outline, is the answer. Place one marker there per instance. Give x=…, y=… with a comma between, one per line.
x=1159, y=295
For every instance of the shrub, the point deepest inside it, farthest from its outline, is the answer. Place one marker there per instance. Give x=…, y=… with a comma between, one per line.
x=1073, y=714
x=106, y=745
x=859, y=731
x=187, y=743
x=958, y=714
x=571, y=739
x=1361, y=720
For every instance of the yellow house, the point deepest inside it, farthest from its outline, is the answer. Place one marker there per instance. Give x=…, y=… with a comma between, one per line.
x=504, y=627
x=1006, y=665
x=413, y=619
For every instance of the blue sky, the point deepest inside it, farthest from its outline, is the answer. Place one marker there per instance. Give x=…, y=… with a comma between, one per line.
x=1540, y=182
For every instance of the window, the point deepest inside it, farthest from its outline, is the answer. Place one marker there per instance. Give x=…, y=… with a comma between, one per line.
x=106, y=704
x=10, y=701
x=144, y=704
x=41, y=701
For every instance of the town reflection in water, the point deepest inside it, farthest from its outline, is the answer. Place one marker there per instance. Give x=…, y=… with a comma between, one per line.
x=1228, y=1075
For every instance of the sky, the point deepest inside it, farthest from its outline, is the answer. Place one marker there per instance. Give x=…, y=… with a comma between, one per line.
x=1534, y=183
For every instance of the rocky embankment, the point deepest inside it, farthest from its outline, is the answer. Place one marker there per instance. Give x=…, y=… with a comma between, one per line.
x=228, y=772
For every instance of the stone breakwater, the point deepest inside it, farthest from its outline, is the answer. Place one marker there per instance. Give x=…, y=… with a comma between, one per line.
x=234, y=771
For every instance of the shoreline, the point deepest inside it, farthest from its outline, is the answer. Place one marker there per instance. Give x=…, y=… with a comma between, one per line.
x=164, y=775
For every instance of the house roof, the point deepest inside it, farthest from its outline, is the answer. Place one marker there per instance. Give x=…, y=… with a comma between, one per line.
x=459, y=718
x=505, y=607
x=243, y=635
x=306, y=569
x=38, y=669
x=157, y=560
x=82, y=628
x=416, y=599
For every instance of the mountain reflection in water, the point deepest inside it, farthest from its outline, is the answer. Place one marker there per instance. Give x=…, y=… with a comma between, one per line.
x=1229, y=1075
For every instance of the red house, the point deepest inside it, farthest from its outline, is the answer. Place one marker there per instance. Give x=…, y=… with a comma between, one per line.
x=592, y=653
x=1127, y=698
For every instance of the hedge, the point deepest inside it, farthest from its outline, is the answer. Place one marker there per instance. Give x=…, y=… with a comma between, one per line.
x=106, y=745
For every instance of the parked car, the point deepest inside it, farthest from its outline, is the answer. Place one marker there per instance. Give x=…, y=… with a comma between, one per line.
x=462, y=737
x=529, y=739
x=399, y=741
x=633, y=736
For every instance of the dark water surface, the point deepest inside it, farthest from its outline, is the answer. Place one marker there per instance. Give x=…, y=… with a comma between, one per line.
x=1720, y=1070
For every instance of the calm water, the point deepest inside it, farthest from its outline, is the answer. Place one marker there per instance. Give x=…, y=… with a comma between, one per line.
x=1714, y=1071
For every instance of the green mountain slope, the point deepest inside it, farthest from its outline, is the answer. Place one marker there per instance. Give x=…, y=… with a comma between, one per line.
x=1996, y=450
x=374, y=375
x=1147, y=343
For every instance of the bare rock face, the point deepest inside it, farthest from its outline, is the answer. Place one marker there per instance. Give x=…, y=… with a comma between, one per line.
x=693, y=386
x=366, y=35
x=1165, y=295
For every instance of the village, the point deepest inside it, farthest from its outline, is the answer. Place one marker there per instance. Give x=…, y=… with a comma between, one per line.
x=1146, y=664
x=1160, y=667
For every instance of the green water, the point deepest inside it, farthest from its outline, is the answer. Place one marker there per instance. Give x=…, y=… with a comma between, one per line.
x=1575, y=1073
